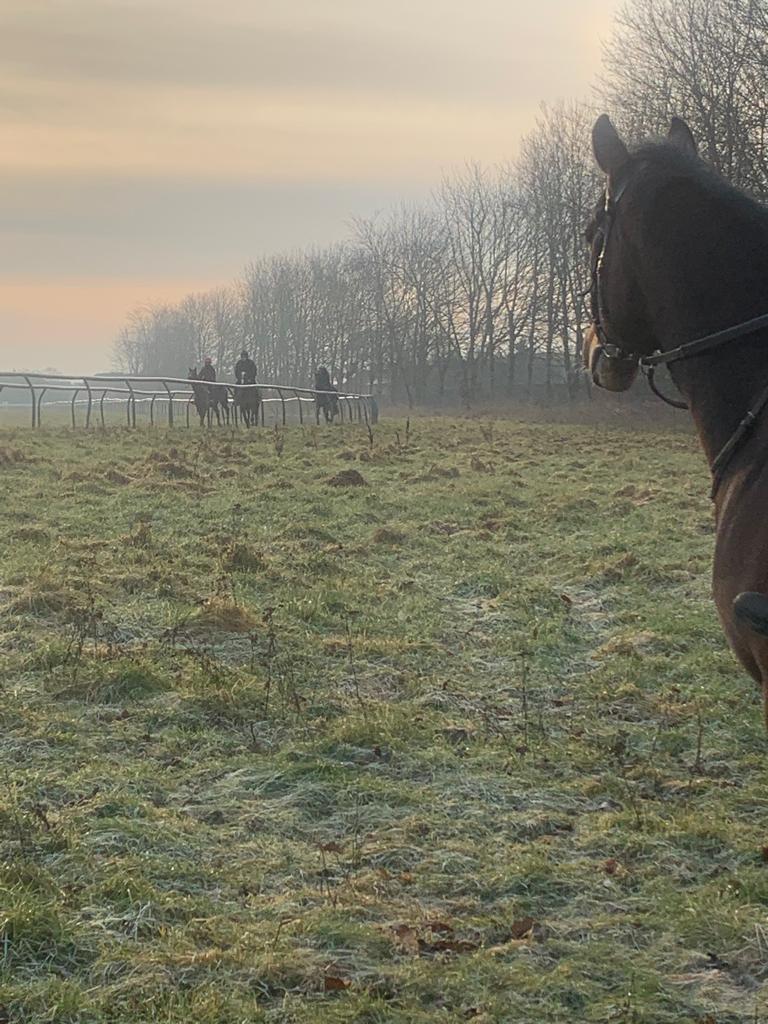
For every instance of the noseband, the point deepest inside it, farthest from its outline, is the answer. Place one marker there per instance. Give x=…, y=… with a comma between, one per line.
x=612, y=352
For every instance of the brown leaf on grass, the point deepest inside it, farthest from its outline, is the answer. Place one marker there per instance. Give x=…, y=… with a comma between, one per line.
x=410, y=941
x=610, y=866
x=764, y=854
x=331, y=983
x=522, y=928
x=332, y=847
x=439, y=926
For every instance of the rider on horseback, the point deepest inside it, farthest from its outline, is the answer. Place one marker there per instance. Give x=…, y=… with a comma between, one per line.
x=326, y=396
x=208, y=371
x=245, y=369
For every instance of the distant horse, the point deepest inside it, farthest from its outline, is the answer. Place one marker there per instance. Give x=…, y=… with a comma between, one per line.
x=209, y=397
x=248, y=401
x=327, y=403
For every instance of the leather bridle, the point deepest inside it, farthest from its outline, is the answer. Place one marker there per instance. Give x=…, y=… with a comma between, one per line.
x=613, y=352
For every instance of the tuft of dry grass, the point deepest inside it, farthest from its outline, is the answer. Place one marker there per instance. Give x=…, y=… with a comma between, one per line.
x=243, y=558
x=389, y=536
x=347, y=478
x=222, y=613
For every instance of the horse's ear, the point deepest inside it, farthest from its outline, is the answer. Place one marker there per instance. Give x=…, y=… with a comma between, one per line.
x=681, y=136
x=610, y=152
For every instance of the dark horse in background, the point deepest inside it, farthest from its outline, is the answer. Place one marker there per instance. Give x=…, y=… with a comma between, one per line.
x=209, y=398
x=327, y=403
x=680, y=278
x=248, y=401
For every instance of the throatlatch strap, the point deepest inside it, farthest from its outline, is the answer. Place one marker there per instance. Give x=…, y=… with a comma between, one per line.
x=734, y=441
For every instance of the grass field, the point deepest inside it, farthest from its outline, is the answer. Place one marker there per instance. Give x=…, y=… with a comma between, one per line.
x=300, y=727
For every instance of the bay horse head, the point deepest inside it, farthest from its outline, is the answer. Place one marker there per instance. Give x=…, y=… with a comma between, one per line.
x=621, y=333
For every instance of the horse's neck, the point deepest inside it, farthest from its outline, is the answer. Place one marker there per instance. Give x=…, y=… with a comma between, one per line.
x=709, y=278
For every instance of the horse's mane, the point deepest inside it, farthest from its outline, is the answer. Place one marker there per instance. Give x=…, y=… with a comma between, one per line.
x=667, y=161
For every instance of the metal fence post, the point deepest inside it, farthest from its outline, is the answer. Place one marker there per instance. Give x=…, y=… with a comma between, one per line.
x=39, y=406
x=131, y=405
x=90, y=403
x=170, y=404
x=34, y=402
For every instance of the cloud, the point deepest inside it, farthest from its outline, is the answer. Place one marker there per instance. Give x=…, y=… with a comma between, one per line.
x=429, y=48
x=122, y=227
x=173, y=140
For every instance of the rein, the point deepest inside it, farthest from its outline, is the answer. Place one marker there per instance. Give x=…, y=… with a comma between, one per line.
x=689, y=350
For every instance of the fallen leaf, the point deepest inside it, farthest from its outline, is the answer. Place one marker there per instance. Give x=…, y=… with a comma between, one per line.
x=522, y=928
x=610, y=866
x=334, y=984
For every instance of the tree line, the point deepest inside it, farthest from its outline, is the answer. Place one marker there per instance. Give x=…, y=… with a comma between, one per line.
x=480, y=293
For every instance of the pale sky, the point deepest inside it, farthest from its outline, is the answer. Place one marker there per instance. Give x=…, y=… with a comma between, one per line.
x=153, y=147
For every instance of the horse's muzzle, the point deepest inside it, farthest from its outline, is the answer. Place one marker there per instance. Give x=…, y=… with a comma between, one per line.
x=610, y=369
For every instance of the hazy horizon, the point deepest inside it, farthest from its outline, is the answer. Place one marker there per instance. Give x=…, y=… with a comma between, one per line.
x=154, y=148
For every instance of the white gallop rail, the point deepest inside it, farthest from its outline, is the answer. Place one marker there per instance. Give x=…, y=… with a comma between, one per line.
x=90, y=394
